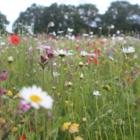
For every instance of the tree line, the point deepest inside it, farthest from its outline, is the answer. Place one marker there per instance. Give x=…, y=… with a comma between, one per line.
x=83, y=18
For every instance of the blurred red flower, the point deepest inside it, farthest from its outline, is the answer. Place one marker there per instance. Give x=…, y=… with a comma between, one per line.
x=22, y=138
x=128, y=79
x=96, y=61
x=102, y=42
x=97, y=51
x=15, y=39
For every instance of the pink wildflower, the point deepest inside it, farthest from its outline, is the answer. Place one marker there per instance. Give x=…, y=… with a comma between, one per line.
x=4, y=76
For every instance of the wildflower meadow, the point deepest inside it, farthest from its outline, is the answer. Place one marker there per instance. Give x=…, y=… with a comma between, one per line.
x=83, y=87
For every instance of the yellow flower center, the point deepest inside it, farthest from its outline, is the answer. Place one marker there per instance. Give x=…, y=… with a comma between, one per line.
x=35, y=98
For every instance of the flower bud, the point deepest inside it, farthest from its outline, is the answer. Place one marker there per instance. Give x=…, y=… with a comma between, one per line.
x=10, y=59
x=81, y=64
x=95, y=132
x=70, y=84
x=84, y=119
x=104, y=128
x=134, y=119
x=123, y=122
x=53, y=87
x=97, y=82
x=120, y=121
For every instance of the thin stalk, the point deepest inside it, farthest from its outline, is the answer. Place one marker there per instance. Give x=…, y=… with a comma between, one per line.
x=115, y=132
x=129, y=120
x=1, y=111
x=106, y=135
x=121, y=132
x=43, y=109
x=124, y=131
x=63, y=95
x=77, y=93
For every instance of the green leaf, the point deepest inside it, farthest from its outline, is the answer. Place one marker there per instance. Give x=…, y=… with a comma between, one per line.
x=60, y=122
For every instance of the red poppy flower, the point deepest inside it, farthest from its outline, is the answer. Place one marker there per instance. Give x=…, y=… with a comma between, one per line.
x=128, y=79
x=22, y=138
x=96, y=61
x=15, y=39
x=77, y=48
x=97, y=51
x=102, y=42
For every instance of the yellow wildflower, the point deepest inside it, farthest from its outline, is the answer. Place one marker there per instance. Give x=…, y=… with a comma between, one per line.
x=126, y=65
x=60, y=118
x=74, y=128
x=65, y=126
x=15, y=129
x=9, y=93
x=108, y=87
x=2, y=120
x=78, y=138
x=58, y=94
x=115, y=50
x=65, y=68
x=102, y=55
x=41, y=128
x=18, y=95
x=15, y=96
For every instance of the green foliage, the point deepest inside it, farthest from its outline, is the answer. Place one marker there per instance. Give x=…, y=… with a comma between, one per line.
x=123, y=15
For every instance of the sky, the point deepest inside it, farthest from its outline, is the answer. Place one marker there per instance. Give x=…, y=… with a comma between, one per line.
x=12, y=8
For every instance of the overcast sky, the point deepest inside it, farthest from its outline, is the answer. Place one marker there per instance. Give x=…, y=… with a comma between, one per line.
x=12, y=8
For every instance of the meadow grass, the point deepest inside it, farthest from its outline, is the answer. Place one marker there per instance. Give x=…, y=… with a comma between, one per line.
x=114, y=115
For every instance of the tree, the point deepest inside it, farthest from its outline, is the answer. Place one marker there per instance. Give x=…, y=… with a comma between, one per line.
x=3, y=22
x=88, y=13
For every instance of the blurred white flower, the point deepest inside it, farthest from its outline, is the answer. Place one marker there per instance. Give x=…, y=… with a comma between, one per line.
x=60, y=32
x=2, y=43
x=61, y=53
x=118, y=32
x=55, y=74
x=112, y=26
x=111, y=58
x=70, y=30
x=96, y=93
x=51, y=24
x=128, y=50
x=135, y=56
x=10, y=59
x=83, y=53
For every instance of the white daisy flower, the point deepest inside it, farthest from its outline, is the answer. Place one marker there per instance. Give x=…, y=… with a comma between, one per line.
x=129, y=50
x=36, y=97
x=55, y=74
x=83, y=53
x=61, y=53
x=96, y=93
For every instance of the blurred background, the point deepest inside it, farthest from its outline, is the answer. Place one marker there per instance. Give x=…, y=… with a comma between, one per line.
x=82, y=16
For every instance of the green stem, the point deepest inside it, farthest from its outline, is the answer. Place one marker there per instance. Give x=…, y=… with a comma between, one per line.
x=77, y=93
x=129, y=120
x=121, y=132
x=63, y=95
x=43, y=109
x=106, y=135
